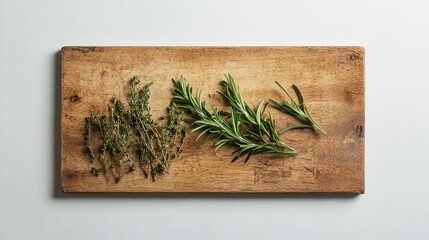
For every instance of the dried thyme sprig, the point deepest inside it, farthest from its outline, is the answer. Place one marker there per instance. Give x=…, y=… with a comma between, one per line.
x=116, y=140
x=123, y=130
x=157, y=146
x=88, y=136
x=215, y=126
x=298, y=111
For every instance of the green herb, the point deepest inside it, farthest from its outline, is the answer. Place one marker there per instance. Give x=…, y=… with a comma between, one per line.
x=297, y=110
x=125, y=133
x=254, y=120
x=157, y=146
x=248, y=140
x=116, y=140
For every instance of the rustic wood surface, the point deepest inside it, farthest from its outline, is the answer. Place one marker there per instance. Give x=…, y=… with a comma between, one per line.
x=331, y=79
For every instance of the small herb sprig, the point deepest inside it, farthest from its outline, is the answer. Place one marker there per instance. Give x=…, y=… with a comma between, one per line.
x=157, y=146
x=249, y=141
x=116, y=140
x=254, y=120
x=297, y=110
x=126, y=133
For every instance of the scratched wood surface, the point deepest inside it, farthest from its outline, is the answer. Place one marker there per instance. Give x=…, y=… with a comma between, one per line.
x=331, y=79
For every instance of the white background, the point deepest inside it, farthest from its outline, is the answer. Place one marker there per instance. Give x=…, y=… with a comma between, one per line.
x=394, y=33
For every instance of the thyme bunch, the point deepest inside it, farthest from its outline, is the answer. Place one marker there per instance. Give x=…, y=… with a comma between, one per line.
x=133, y=132
x=298, y=110
x=157, y=145
x=116, y=140
x=247, y=141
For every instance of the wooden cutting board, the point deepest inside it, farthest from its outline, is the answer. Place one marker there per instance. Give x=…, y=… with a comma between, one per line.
x=330, y=78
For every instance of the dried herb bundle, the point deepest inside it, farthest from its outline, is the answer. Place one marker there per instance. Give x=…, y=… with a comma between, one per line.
x=157, y=145
x=257, y=135
x=133, y=132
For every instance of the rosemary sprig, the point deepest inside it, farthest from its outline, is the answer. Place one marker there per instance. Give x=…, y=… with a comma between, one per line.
x=126, y=132
x=254, y=119
x=215, y=126
x=297, y=110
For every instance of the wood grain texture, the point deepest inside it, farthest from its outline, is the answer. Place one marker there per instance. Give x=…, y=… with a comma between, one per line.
x=331, y=79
